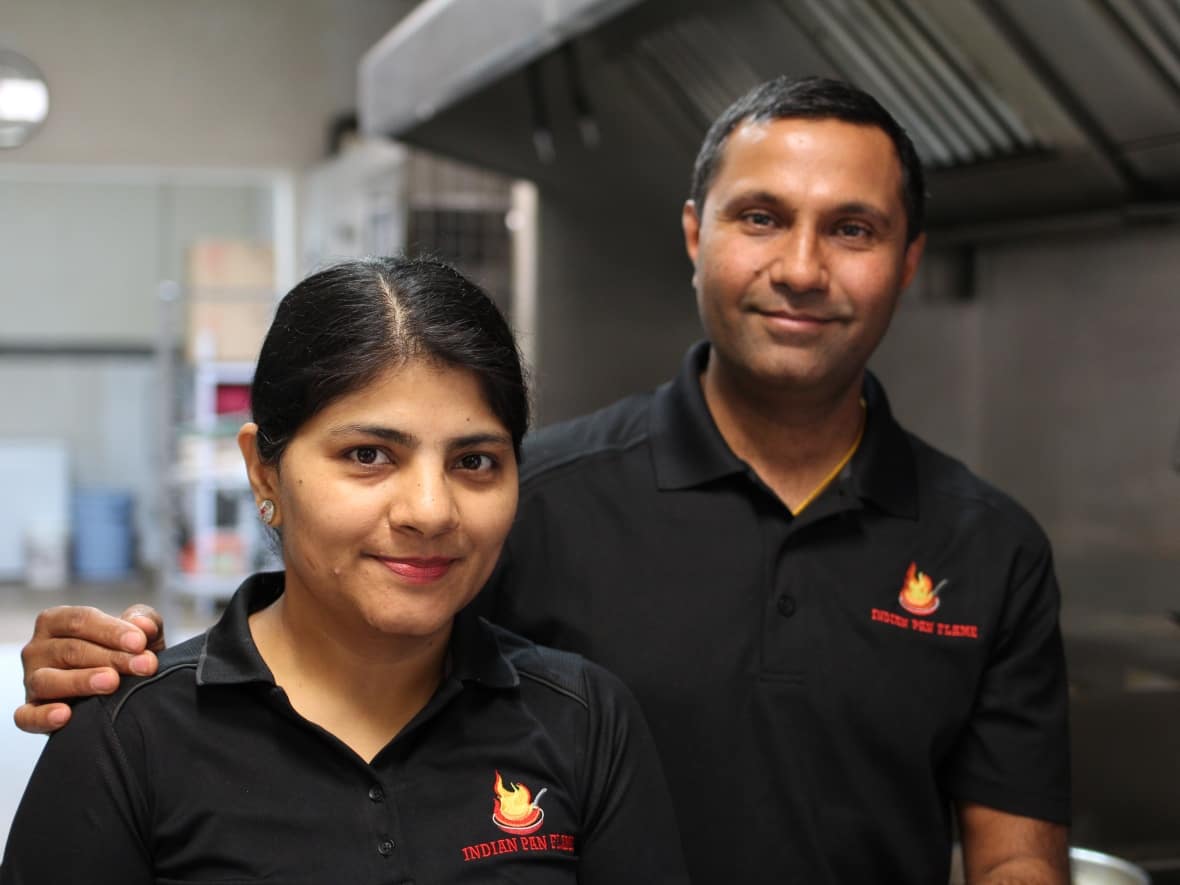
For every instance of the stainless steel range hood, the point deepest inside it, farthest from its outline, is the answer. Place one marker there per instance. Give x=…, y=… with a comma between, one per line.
x=446, y=49
x=1020, y=110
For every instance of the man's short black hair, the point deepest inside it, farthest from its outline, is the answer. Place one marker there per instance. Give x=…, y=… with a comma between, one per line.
x=813, y=98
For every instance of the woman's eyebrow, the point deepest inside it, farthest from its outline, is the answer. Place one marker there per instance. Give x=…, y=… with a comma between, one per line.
x=388, y=434
x=480, y=439
x=409, y=440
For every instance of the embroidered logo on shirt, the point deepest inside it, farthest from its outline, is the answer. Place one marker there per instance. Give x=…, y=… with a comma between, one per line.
x=918, y=594
x=515, y=810
x=518, y=813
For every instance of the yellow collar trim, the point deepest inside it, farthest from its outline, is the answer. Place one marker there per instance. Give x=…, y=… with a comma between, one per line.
x=835, y=471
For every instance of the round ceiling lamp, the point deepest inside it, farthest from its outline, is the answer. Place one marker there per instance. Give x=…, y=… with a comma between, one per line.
x=24, y=99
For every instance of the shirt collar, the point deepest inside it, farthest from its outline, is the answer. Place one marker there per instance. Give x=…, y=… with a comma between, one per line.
x=476, y=655
x=229, y=656
x=688, y=449
x=882, y=470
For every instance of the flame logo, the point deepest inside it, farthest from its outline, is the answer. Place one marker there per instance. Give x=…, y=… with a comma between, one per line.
x=918, y=594
x=515, y=810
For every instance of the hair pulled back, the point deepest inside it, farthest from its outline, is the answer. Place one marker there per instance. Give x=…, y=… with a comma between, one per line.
x=340, y=328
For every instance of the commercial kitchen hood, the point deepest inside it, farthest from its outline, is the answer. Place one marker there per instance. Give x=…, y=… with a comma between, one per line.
x=1019, y=109
x=446, y=49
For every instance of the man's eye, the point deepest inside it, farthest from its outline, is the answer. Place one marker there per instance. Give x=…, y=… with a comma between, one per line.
x=853, y=230
x=759, y=219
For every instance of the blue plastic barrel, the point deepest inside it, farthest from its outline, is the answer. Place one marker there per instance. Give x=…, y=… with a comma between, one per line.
x=102, y=534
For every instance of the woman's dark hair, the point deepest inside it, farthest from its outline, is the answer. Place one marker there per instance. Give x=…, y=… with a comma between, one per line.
x=813, y=98
x=342, y=327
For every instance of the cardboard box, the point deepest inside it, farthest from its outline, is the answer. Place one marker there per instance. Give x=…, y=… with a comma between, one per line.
x=226, y=331
x=230, y=299
x=231, y=266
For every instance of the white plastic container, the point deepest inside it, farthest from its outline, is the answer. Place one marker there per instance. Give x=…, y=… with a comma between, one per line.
x=47, y=561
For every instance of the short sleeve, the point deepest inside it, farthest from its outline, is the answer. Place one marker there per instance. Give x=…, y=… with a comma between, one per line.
x=629, y=827
x=81, y=818
x=1014, y=753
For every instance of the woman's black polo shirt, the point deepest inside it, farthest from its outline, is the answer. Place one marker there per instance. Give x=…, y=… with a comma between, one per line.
x=205, y=773
x=820, y=687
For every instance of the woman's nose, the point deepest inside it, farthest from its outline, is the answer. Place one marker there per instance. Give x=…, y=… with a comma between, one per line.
x=424, y=503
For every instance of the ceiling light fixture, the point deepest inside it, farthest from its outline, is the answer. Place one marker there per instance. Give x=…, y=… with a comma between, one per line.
x=24, y=99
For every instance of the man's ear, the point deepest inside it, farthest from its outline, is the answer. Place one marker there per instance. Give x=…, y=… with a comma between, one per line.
x=912, y=258
x=690, y=222
x=264, y=478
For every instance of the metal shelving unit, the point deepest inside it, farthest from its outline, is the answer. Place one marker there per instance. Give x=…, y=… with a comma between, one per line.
x=213, y=539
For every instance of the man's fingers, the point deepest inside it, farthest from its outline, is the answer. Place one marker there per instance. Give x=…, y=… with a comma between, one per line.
x=78, y=651
x=87, y=623
x=48, y=684
x=84, y=669
x=78, y=654
x=41, y=718
x=150, y=621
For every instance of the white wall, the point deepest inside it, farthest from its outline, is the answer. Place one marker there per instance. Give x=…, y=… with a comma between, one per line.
x=205, y=83
x=84, y=252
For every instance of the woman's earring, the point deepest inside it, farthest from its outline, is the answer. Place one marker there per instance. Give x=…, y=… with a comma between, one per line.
x=266, y=511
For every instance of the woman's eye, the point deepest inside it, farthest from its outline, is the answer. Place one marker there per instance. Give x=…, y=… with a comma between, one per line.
x=478, y=462
x=368, y=455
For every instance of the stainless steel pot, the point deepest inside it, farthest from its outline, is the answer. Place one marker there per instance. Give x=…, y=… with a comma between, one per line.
x=1088, y=868
x=1096, y=868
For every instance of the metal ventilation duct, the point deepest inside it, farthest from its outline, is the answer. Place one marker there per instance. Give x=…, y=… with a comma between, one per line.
x=1154, y=26
x=916, y=70
x=920, y=74
x=446, y=49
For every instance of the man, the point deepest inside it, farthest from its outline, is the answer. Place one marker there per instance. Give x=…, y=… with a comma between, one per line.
x=837, y=633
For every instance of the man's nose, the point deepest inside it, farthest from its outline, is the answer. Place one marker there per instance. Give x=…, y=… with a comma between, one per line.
x=799, y=264
x=424, y=502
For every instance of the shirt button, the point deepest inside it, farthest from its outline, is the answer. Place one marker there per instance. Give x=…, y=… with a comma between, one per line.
x=376, y=794
x=385, y=848
x=786, y=605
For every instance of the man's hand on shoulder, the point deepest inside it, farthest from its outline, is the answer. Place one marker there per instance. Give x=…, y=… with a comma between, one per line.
x=78, y=651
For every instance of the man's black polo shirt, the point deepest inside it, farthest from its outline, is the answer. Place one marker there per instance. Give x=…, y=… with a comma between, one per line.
x=205, y=773
x=821, y=686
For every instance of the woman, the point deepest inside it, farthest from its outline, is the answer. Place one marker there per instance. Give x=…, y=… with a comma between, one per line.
x=346, y=720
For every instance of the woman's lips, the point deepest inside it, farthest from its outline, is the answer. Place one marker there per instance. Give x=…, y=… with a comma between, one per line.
x=418, y=570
